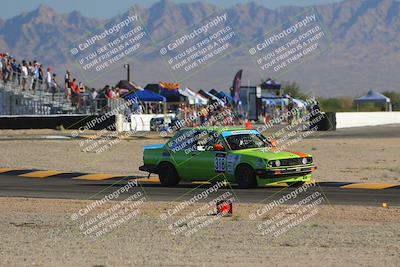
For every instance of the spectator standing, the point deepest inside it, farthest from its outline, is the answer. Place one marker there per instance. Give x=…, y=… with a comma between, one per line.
x=48, y=79
x=203, y=116
x=35, y=76
x=24, y=74
x=75, y=95
x=30, y=75
x=8, y=71
x=81, y=88
x=106, y=95
x=93, y=100
x=114, y=93
x=107, y=92
x=19, y=74
x=54, y=86
x=4, y=62
x=67, y=81
x=74, y=89
x=40, y=76
x=81, y=92
x=14, y=68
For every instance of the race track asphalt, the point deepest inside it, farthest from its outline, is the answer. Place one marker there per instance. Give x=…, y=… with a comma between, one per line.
x=67, y=188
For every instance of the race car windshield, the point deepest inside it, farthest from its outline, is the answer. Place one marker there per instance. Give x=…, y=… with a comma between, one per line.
x=244, y=141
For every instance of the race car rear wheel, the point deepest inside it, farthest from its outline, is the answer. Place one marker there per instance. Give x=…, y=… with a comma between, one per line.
x=245, y=176
x=167, y=174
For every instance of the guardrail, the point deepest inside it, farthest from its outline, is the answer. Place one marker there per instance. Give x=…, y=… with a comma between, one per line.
x=360, y=119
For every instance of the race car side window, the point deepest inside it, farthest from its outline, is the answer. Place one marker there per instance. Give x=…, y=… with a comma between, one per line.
x=182, y=140
x=206, y=140
x=222, y=141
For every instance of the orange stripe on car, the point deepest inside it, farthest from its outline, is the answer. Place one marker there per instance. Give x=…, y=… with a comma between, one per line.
x=302, y=155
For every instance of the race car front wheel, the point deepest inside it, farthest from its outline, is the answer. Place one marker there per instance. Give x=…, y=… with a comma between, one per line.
x=245, y=176
x=167, y=174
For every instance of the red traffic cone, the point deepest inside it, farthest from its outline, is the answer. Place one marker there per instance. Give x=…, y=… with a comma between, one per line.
x=248, y=125
x=224, y=208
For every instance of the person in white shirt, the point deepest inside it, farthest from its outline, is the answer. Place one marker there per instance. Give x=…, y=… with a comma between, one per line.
x=93, y=100
x=48, y=79
x=24, y=73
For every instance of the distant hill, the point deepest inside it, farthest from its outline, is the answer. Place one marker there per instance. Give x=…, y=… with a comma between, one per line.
x=364, y=52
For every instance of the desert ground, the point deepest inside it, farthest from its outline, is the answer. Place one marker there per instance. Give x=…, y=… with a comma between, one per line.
x=40, y=232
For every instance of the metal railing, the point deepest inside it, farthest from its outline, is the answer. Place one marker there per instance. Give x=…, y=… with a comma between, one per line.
x=40, y=99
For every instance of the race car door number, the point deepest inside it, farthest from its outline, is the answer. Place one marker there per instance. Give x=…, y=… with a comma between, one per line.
x=219, y=162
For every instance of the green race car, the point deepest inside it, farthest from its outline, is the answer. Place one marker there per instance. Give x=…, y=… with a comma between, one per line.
x=225, y=154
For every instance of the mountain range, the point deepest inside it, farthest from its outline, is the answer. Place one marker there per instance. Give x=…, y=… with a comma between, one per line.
x=363, y=51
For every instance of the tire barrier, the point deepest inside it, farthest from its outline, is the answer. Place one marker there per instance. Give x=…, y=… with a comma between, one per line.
x=94, y=122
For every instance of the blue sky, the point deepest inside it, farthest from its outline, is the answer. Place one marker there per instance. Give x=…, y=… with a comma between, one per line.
x=109, y=8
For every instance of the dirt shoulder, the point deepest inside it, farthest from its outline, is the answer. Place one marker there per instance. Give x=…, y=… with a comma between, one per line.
x=40, y=232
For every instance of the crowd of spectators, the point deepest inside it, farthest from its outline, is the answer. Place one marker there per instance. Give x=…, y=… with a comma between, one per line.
x=31, y=76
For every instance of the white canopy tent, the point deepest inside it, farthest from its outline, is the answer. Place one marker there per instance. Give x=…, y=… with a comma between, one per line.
x=194, y=98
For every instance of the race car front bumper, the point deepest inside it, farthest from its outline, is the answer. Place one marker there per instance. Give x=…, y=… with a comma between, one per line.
x=285, y=172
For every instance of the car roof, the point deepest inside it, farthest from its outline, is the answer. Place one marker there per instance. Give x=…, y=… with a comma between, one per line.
x=218, y=129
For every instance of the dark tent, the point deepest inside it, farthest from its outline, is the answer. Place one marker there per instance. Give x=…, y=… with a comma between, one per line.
x=222, y=95
x=127, y=85
x=170, y=95
x=373, y=97
x=210, y=97
x=225, y=97
x=145, y=96
x=270, y=85
x=213, y=92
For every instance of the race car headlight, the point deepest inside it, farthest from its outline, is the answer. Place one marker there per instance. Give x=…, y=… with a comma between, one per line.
x=274, y=163
x=304, y=161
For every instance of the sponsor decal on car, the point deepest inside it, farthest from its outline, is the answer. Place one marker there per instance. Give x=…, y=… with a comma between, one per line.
x=231, y=162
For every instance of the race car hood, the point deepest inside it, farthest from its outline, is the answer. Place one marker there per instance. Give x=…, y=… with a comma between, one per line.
x=264, y=153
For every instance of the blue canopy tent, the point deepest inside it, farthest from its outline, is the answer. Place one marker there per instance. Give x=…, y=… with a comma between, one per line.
x=145, y=96
x=374, y=97
x=225, y=97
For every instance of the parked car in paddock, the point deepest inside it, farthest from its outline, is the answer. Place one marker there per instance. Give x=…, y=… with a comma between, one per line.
x=225, y=154
x=157, y=123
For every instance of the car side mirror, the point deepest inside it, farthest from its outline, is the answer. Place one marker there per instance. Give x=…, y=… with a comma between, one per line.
x=218, y=147
x=273, y=143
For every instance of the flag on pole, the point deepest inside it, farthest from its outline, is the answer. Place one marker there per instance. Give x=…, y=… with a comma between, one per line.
x=236, y=86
